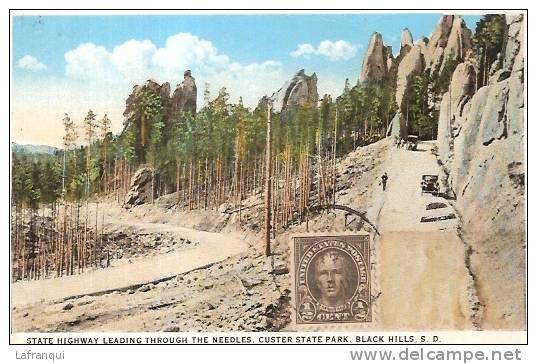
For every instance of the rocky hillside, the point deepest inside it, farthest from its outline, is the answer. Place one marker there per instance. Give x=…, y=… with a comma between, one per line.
x=481, y=143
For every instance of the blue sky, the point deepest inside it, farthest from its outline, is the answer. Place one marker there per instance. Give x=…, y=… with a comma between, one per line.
x=74, y=63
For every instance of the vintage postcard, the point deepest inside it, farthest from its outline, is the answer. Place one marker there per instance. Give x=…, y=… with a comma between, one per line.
x=263, y=173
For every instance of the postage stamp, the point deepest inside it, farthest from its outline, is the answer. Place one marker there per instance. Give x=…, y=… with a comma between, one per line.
x=331, y=276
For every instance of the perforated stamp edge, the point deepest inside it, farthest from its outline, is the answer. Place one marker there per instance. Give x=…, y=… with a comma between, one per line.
x=374, y=285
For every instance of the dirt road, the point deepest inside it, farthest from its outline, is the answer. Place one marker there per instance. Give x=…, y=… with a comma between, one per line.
x=213, y=247
x=424, y=282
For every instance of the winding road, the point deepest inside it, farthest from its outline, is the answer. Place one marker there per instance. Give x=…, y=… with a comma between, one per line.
x=212, y=248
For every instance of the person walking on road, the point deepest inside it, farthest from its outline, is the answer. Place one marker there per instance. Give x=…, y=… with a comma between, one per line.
x=384, y=179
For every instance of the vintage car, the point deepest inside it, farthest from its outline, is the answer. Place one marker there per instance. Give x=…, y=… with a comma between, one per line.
x=429, y=184
x=412, y=141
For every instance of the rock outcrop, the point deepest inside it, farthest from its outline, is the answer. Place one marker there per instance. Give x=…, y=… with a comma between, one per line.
x=379, y=65
x=374, y=65
x=391, y=65
x=411, y=64
x=483, y=153
x=163, y=91
x=143, y=188
x=301, y=89
x=407, y=42
x=513, y=60
x=183, y=99
x=406, y=38
x=185, y=95
x=450, y=39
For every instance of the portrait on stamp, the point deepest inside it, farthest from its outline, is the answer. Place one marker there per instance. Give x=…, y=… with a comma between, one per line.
x=332, y=276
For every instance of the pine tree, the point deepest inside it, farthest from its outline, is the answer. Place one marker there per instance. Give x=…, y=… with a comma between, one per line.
x=69, y=139
x=104, y=127
x=90, y=126
x=488, y=41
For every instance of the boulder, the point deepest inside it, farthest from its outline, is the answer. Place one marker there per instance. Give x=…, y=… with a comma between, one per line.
x=142, y=187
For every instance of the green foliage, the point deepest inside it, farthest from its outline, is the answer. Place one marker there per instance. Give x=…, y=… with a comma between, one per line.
x=488, y=41
x=420, y=114
x=36, y=179
x=231, y=134
x=148, y=109
x=364, y=113
x=90, y=126
x=440, y=83
x=50, y=180
x=126, y=145
x=155, y=143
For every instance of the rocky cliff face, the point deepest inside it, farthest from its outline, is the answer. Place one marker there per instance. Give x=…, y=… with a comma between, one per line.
x=299, y=90
x=453, y=106
x=481, y=143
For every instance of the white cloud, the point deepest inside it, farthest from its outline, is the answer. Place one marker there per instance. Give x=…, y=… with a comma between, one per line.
x=87, y=60
x=185, y=50
x=31, y=63
x=101, y=79
x=334, y=51
x=133, y=57
x=304, y=50
x=135, y=61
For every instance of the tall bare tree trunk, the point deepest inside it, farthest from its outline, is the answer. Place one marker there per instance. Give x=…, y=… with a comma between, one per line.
x=268, y=183
x=334, y=162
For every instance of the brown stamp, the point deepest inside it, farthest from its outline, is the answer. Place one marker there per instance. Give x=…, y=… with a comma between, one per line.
x=331, y=278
